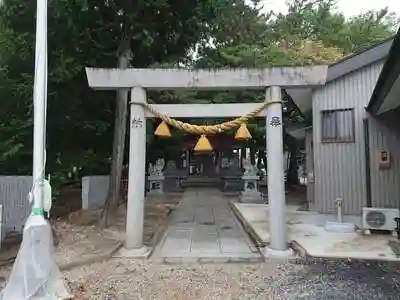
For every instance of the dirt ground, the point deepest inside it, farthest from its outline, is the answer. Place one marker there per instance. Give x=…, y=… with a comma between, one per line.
x=121, y=279
x=80, y=239
x=125, y=279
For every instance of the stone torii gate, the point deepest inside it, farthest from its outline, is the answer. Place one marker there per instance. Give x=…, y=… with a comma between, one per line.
x=271, y=80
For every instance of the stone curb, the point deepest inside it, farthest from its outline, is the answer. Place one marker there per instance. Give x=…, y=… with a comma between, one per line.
x=91, y=259
x=210, y=260
x=158, y=236
x=298, y=249
x=246, y=226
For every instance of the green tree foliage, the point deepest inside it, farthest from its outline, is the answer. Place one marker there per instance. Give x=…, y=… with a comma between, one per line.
x=221, y=33
x=317, y=20
x=83, y=33
x=310, y=33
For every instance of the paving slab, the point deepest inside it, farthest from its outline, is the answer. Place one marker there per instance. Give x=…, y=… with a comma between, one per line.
x=203, y=228
x=306, y=229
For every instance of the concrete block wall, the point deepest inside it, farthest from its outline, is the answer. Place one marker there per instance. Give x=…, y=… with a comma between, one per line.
x=94, y=191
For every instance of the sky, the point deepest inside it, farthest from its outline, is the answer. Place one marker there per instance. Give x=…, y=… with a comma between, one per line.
x=347, y=7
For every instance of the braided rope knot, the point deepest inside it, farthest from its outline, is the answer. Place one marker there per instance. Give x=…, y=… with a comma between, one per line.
x=207, y=129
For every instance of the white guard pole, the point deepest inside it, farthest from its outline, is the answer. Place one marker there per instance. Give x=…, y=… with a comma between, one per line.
x=35, y=274
x=40, y=104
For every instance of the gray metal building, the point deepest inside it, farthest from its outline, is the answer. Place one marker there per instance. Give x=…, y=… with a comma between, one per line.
x=353, y=147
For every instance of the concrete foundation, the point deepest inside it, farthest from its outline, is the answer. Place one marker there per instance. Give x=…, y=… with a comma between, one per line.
x=307, y=230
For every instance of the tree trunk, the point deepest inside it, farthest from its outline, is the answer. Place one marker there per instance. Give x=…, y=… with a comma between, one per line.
x=253, y=156
x=259, y=158
x=243, y=154
x=121, y=112
x=262, y=154
x=217, y=161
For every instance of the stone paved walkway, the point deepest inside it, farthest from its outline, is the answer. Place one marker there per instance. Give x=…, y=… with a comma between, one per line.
x=203, y=228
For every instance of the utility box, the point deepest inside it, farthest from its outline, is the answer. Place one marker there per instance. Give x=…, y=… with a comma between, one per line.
x=384, y=159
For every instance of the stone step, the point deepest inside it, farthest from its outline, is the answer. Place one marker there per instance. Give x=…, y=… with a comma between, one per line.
x=201, y=184
x=202, y=181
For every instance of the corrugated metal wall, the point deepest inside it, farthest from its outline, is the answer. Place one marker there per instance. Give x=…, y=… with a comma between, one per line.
x=14, y=198
x=384, y=134
x=339, y=168
x=310, y=166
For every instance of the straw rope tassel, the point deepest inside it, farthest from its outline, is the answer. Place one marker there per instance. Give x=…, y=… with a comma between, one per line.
x=203, y=144
x=243, y=133
x=163, y=130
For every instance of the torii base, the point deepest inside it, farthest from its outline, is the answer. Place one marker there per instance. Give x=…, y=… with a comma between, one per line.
x=269, y=253
x=139, y=253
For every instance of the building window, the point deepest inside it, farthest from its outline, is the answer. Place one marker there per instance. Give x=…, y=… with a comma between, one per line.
x=338, y=126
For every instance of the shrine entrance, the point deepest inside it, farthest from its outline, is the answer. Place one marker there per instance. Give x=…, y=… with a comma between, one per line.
x=208, y=163
x=202, y=164
x=271, y=80
x=209, y=168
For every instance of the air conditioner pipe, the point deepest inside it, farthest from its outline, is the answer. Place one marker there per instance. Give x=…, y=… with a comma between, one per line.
x=397, y=230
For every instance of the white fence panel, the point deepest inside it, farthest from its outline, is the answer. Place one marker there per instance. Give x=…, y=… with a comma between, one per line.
x=14, y=199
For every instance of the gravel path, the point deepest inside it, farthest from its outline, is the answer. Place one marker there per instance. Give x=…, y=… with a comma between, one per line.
x=306, y=279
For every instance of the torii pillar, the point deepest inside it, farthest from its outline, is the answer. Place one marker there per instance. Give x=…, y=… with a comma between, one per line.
x=278, y=244
x=137, y=171
x=272, y=80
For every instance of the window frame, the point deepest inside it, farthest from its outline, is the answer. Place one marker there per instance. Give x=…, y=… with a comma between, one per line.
x=336, y=139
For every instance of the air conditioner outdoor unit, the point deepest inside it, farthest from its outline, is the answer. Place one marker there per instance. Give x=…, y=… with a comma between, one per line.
x=380, y=218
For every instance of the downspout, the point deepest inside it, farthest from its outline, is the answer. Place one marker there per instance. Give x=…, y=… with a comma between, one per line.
x=367, y=163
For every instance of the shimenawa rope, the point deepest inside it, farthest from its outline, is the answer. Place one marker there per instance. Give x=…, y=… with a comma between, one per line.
x=207, y=129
